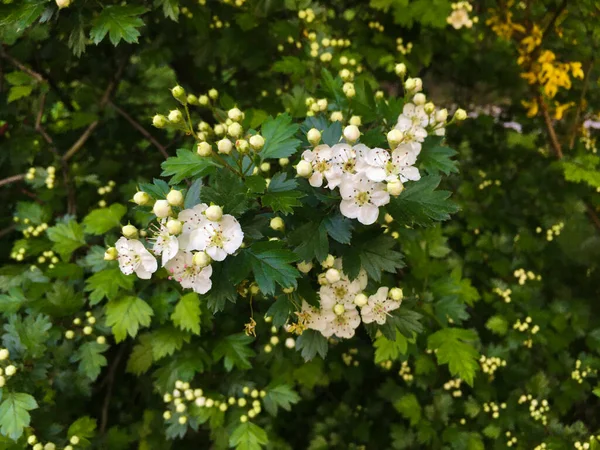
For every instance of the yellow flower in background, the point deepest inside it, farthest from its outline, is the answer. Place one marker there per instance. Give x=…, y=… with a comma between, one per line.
x=576, y=70
x=532, y=107
x=559, y=109
x=533, y=41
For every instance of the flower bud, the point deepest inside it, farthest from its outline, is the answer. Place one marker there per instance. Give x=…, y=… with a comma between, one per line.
x=110, y=254
x=400, y=69
x=203, y=100
x=87, y=330
x=182, y=420
x=201, y=259
x=161, y=209
x=429, y=107
x=304, y=169
x=410, y=84
x=313, y=136
x=242, y=146
x=175, y=116
x=179, y=93
x=396, y=294
x=213, y=93
x=441, y=115
x=38, y=446
x=322, y=104
x=355, y=120
x=175, y=198
x=69, y=334
x=336, y=116
x=10, y=370
x=204, y=149
x=283, y=162
x=339, y=309
x=159, y=121
x=214, y=213
x=304, y=266
x=129, y=231
x=265, y=167
x=419, y=99
x=74, y=440
x=234, y=130
x=394, y=138
x=224, y=146
x=192, y=99
x=174, y=226
x=351, y=133
x=219, y=129
x=257, y=142
x=235, y=114
x=290, y=342
x=31, y=440
x=360, y=299
x=277, y=224
x=460, y=114
x=141, y=198
x=328, y=261
x=332, y=275
x=395, y=187
x=63, y=3
x=101, y=340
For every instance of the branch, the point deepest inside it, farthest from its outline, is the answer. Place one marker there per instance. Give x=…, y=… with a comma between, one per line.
x=550, y=128
x=575, y=125
x=554, y=18
x=21, y=66
x=12, y=179
x=110, y=379
x=141, y=129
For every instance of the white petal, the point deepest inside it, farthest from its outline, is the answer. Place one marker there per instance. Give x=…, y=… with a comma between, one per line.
x=216, y=253
x=380, y=198
x=316, y=179
x=375, y=173
x=349, y=208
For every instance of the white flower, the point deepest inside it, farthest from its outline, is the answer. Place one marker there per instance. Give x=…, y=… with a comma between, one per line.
x=402, y=164
x=133, y=257
x=218, y=239
x=378, y=307
x=343, y=325
x=345, y=161
x=192, y=219
x=165, y=244
x=412, y=123
x=189, y=275
x=314, y=319
x=319, y=158
x=361, y=198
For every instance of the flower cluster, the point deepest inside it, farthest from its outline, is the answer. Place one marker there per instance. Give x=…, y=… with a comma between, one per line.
x=459, y=17
x=455, y=386
x=186, y=245
x=367, y=177
x=523, y=276
x=9, y=370
x=493, y=408
x=537, y=409
x=340, y=299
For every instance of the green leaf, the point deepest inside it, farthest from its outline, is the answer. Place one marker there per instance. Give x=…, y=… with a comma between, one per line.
x=14, y=414
x=186, y=165
x=101, y=220
x=407, y=321
x=280, y=310
x=279, y=137
x=421, y=204
x=17, y=92
x=84, y=428
x=282, y=195
x=91, y=360
x=281, y=396
x=167, y=341
x=67, y=238
x=248, y=436
x=436, y=158
x=27, y=336
x=107, y=284
x=234, y=351
x=120, y=22
x=375, y=255
x=13, y=301
x=127, y=315
x=187, y=313
x=270, y=264
x=311, y=241
x=454, y=347
x=310, y=343
x=170, y=8
x=141, y=359
x=332, y=86
x=226, y=189
x=339, y=228
x=192, y=196
x=256, y=184
x=409, y=407
x=498, y=325
x=387, y=350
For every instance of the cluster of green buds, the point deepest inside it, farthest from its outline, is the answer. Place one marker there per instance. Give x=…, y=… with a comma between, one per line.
x=493, y=408
x=36, y=445
x=510, y=439
x=553, y=231
x=489, y=365
x=522, y=275
x=184, y=402
x=537, y=409
x=7, y=369
x=454, y=386
x=504, y=293
x=349, y=357
x=579, y=374
x=405, y=372
x=87, y=327
x=274, y=340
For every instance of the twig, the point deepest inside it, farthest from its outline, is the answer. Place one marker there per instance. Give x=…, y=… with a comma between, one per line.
x=593, y=215
x=12, y=179
x=550, y=128
x=575, y=125
x=21, y=66
x=7, y=230
x=110, y=379
x=556, y=15
x=141, y=129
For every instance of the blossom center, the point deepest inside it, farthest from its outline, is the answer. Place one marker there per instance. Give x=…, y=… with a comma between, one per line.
x=362, y=198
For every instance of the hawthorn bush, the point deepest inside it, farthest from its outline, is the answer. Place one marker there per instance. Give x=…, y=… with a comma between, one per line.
x=299, y=225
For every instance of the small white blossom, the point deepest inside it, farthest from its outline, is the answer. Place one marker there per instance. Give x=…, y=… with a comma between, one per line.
x=218, y=239
x=378, y=307
x=192, y=219
x=133, y=257
x=188, y=274
x=165, y=244
x=361, y=198
x=320, y=160
x=412, y=123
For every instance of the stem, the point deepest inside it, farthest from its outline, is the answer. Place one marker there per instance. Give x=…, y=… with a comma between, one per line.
x=575, y=125
x=550, y=128
x=11, y=179
x=21, y=66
